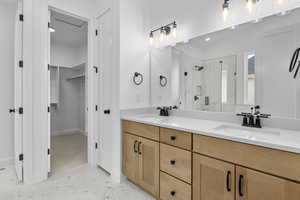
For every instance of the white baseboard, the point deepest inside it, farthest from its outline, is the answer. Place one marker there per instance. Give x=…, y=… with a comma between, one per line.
x=68, y=132
x=6, y=162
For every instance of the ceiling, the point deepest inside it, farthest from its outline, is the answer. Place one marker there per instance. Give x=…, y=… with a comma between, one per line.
x=68, y=30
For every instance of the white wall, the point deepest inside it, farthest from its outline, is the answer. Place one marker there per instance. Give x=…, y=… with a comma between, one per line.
x=7, y=21
x=134, y=55
x=66, y=55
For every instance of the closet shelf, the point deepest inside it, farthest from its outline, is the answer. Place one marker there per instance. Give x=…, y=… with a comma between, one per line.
x=76, y=77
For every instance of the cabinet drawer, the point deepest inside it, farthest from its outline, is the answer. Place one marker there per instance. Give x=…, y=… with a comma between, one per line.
x=176, y=162
x=275, y=162
x=172, y=188
x=176, y=138
x=139, y=129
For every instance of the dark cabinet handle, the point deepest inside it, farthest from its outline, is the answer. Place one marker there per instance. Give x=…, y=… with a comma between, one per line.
x=227, y=181
x=134, y=146
x=107, y=112
x=172, y=162
x=172, y=193
x=139, y=148
x=173, y=138
x=240, y=185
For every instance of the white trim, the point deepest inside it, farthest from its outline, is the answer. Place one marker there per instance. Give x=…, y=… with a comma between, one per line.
x=6, y=162
x=90, y=78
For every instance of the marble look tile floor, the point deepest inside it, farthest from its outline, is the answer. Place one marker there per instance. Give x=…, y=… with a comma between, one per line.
x=81, y=183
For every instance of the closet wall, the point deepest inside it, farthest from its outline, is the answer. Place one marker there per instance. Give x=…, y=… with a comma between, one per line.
x=7, y=21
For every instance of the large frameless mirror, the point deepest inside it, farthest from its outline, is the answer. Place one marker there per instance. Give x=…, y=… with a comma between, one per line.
x=233, y=69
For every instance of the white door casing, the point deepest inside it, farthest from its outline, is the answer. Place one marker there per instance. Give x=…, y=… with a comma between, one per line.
x=49, y=94
x=104, y=87
x=18, y=92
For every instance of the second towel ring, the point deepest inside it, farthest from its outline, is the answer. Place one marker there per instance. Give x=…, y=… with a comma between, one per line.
x=138, y=78
x=163, y=81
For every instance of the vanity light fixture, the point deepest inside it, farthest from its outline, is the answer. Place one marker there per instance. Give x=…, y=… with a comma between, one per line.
x=225, y=7
x=164, y=31
x=251, y=4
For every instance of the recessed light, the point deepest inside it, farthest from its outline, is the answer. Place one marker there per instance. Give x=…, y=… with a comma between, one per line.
x=232, y=27
x=257, y=20
x=284, y=13
x=207, y=39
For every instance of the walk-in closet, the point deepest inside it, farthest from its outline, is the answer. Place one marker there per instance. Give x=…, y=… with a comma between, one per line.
x=68, y=92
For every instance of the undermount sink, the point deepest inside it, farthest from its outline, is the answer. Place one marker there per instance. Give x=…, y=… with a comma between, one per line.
x=250, y=133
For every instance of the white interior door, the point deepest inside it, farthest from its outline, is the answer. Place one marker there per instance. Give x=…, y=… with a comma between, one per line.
x=104, y=54
x=18, y=92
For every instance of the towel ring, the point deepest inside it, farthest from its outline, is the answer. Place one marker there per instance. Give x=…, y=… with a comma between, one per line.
x=138, y=78
x=163, y=81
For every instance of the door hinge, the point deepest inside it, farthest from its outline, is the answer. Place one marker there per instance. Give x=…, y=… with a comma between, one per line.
x=48, y=67
x=48, y=151
x=48, y=109
x=21, y=63
x=21, y=157
x=96, y=32
x=96, y=145
x=21, y=110
x=21, y=17
x=96, y=107
x=96, y=69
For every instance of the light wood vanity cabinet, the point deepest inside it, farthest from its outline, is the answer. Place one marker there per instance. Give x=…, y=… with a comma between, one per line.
x=255, y=185
x=141, y=158
x=212, y=179
x=175, y=165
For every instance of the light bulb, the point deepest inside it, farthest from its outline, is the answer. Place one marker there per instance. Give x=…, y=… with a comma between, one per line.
x=174, y=30
x=162, y=34
x=250, y=5
x=225, y=9
x=225, y=13
x=280, y=2
x=151, y=39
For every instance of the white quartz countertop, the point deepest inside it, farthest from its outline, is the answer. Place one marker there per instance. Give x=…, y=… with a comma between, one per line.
x=280, y=139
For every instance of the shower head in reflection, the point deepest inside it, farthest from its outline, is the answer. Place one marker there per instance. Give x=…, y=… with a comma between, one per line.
x=199, y=68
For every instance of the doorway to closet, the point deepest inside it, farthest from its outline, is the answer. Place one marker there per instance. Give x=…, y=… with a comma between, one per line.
x=68, y=92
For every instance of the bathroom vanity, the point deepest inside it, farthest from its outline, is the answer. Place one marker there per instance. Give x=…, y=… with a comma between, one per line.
x=191, y=159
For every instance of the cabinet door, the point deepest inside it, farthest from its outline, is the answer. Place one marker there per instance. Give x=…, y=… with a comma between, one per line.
x=149, y=166
x=130, y=157
x=253, y=185
x=212, y=179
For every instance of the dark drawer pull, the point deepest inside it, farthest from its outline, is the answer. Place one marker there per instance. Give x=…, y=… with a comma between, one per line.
x=139, y=148
x=173, y=138
x=240, y=185
x=172, y=162
x=227, y=181
x=172, y=193
x=134, y=146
